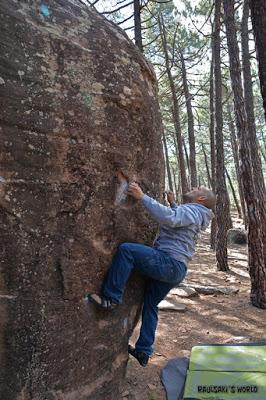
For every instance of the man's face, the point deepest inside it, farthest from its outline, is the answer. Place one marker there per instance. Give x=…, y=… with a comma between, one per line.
x=193, y=195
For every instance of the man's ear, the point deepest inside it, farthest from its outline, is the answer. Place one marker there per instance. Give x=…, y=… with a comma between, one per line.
x=201, y=199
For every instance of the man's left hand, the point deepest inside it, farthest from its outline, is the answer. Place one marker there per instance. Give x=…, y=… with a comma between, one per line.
x=135, y=191
x=170, y=197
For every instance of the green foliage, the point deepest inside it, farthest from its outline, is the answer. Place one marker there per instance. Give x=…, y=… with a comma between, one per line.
x=188, y=29
x=188, y=26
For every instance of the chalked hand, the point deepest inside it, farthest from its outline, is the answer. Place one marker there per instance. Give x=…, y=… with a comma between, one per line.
x=135, y=191
x=170, y=197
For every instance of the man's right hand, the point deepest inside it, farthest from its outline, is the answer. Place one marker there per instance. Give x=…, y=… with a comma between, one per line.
x=135, y=191
x=170, y=197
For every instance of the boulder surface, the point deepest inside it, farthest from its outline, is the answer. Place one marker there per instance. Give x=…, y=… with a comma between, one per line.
x=78, y=102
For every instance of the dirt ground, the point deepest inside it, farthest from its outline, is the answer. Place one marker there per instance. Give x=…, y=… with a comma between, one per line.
x=208, y=319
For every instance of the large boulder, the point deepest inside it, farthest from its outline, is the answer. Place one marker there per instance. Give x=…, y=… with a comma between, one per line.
x=237, y=236
x=78, y=102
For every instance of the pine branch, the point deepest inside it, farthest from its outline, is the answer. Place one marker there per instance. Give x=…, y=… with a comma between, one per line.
x=161, y=76
x=208, y=17
x=95, y=2
x=199, y=31
x=148, y=19
x=125, y=20
x=120, y=2
x=149, y=27
x=118, y=9
x=144, y=5
x=129, y=28
x=152, y=14
x=161, y=2
x=148, y=44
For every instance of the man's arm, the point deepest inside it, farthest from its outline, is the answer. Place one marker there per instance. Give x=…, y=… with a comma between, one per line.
x=171, y=199
x=172, y=216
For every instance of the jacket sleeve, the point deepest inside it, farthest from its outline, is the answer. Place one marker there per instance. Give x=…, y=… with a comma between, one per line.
x=173, y=205
x=176, y=216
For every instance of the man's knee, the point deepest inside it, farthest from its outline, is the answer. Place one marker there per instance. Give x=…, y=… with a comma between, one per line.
x=124, y=247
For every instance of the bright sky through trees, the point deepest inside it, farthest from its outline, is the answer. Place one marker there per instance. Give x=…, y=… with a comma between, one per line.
x=108, y=5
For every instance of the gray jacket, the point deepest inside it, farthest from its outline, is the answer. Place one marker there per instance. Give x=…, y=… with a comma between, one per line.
x=179, y=226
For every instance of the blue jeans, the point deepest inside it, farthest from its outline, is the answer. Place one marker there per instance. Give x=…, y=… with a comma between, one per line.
x=163, y=273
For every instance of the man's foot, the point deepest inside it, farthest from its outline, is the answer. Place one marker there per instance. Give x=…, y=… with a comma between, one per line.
x=101, y=302
x=142, y=358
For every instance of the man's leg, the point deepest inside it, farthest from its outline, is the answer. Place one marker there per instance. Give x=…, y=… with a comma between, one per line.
x=151, y=262
x=155, y=292
x=127, y=256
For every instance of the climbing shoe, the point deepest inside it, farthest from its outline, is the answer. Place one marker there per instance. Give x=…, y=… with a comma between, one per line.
x=101, y=302
x=142, y=358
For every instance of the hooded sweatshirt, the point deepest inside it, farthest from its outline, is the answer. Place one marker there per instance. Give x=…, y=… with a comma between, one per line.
x=179, y=226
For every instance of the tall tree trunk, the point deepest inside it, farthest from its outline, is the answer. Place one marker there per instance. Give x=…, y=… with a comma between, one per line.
x=222, y=206
x=206, y=165
x=258, y=15
x=187, y=160
x=253, y=141
x=236, y=162
x=212, y=144
x=257, y=268
x=175, y=184
x=190, y=117
x=168, y=169
x=137, y=24
x=201, y=179
x=234, y=194
x=175, y=108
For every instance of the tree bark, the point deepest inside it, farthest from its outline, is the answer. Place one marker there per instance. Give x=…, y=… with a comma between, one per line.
x=187, y=159
x=207, y=165
x=234, y=145
x=234, y=194
x=168, y=169
x=222, y=206
x=257, y=268
x=175, y=184
x=190, y=117
x=258, y=15
x=212, y=145
x=137, y=25
x=259, y=184
x=175, y=108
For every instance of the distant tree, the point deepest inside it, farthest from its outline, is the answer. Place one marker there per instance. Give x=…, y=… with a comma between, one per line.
x=190, y=118
x=212, y=143
x=258, y=15
x=257, y=268
x=222, y=206
x=234, y=145
x=175, y=105
x=167, y=162
x=239, y=211
x=138, y=6
x=137, y=24
x=259, y=184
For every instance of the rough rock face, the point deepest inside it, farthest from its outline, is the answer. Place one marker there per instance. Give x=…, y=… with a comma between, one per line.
x=77, y=103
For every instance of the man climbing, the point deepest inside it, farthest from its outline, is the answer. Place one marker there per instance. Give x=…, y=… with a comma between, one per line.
x=164, y=265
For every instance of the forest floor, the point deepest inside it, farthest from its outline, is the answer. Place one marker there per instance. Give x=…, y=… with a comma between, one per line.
x=208, y=319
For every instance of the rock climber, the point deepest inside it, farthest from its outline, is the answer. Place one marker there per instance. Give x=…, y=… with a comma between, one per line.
x=164, y=264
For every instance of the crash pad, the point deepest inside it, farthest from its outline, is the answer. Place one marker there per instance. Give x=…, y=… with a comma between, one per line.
x=221, y=372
